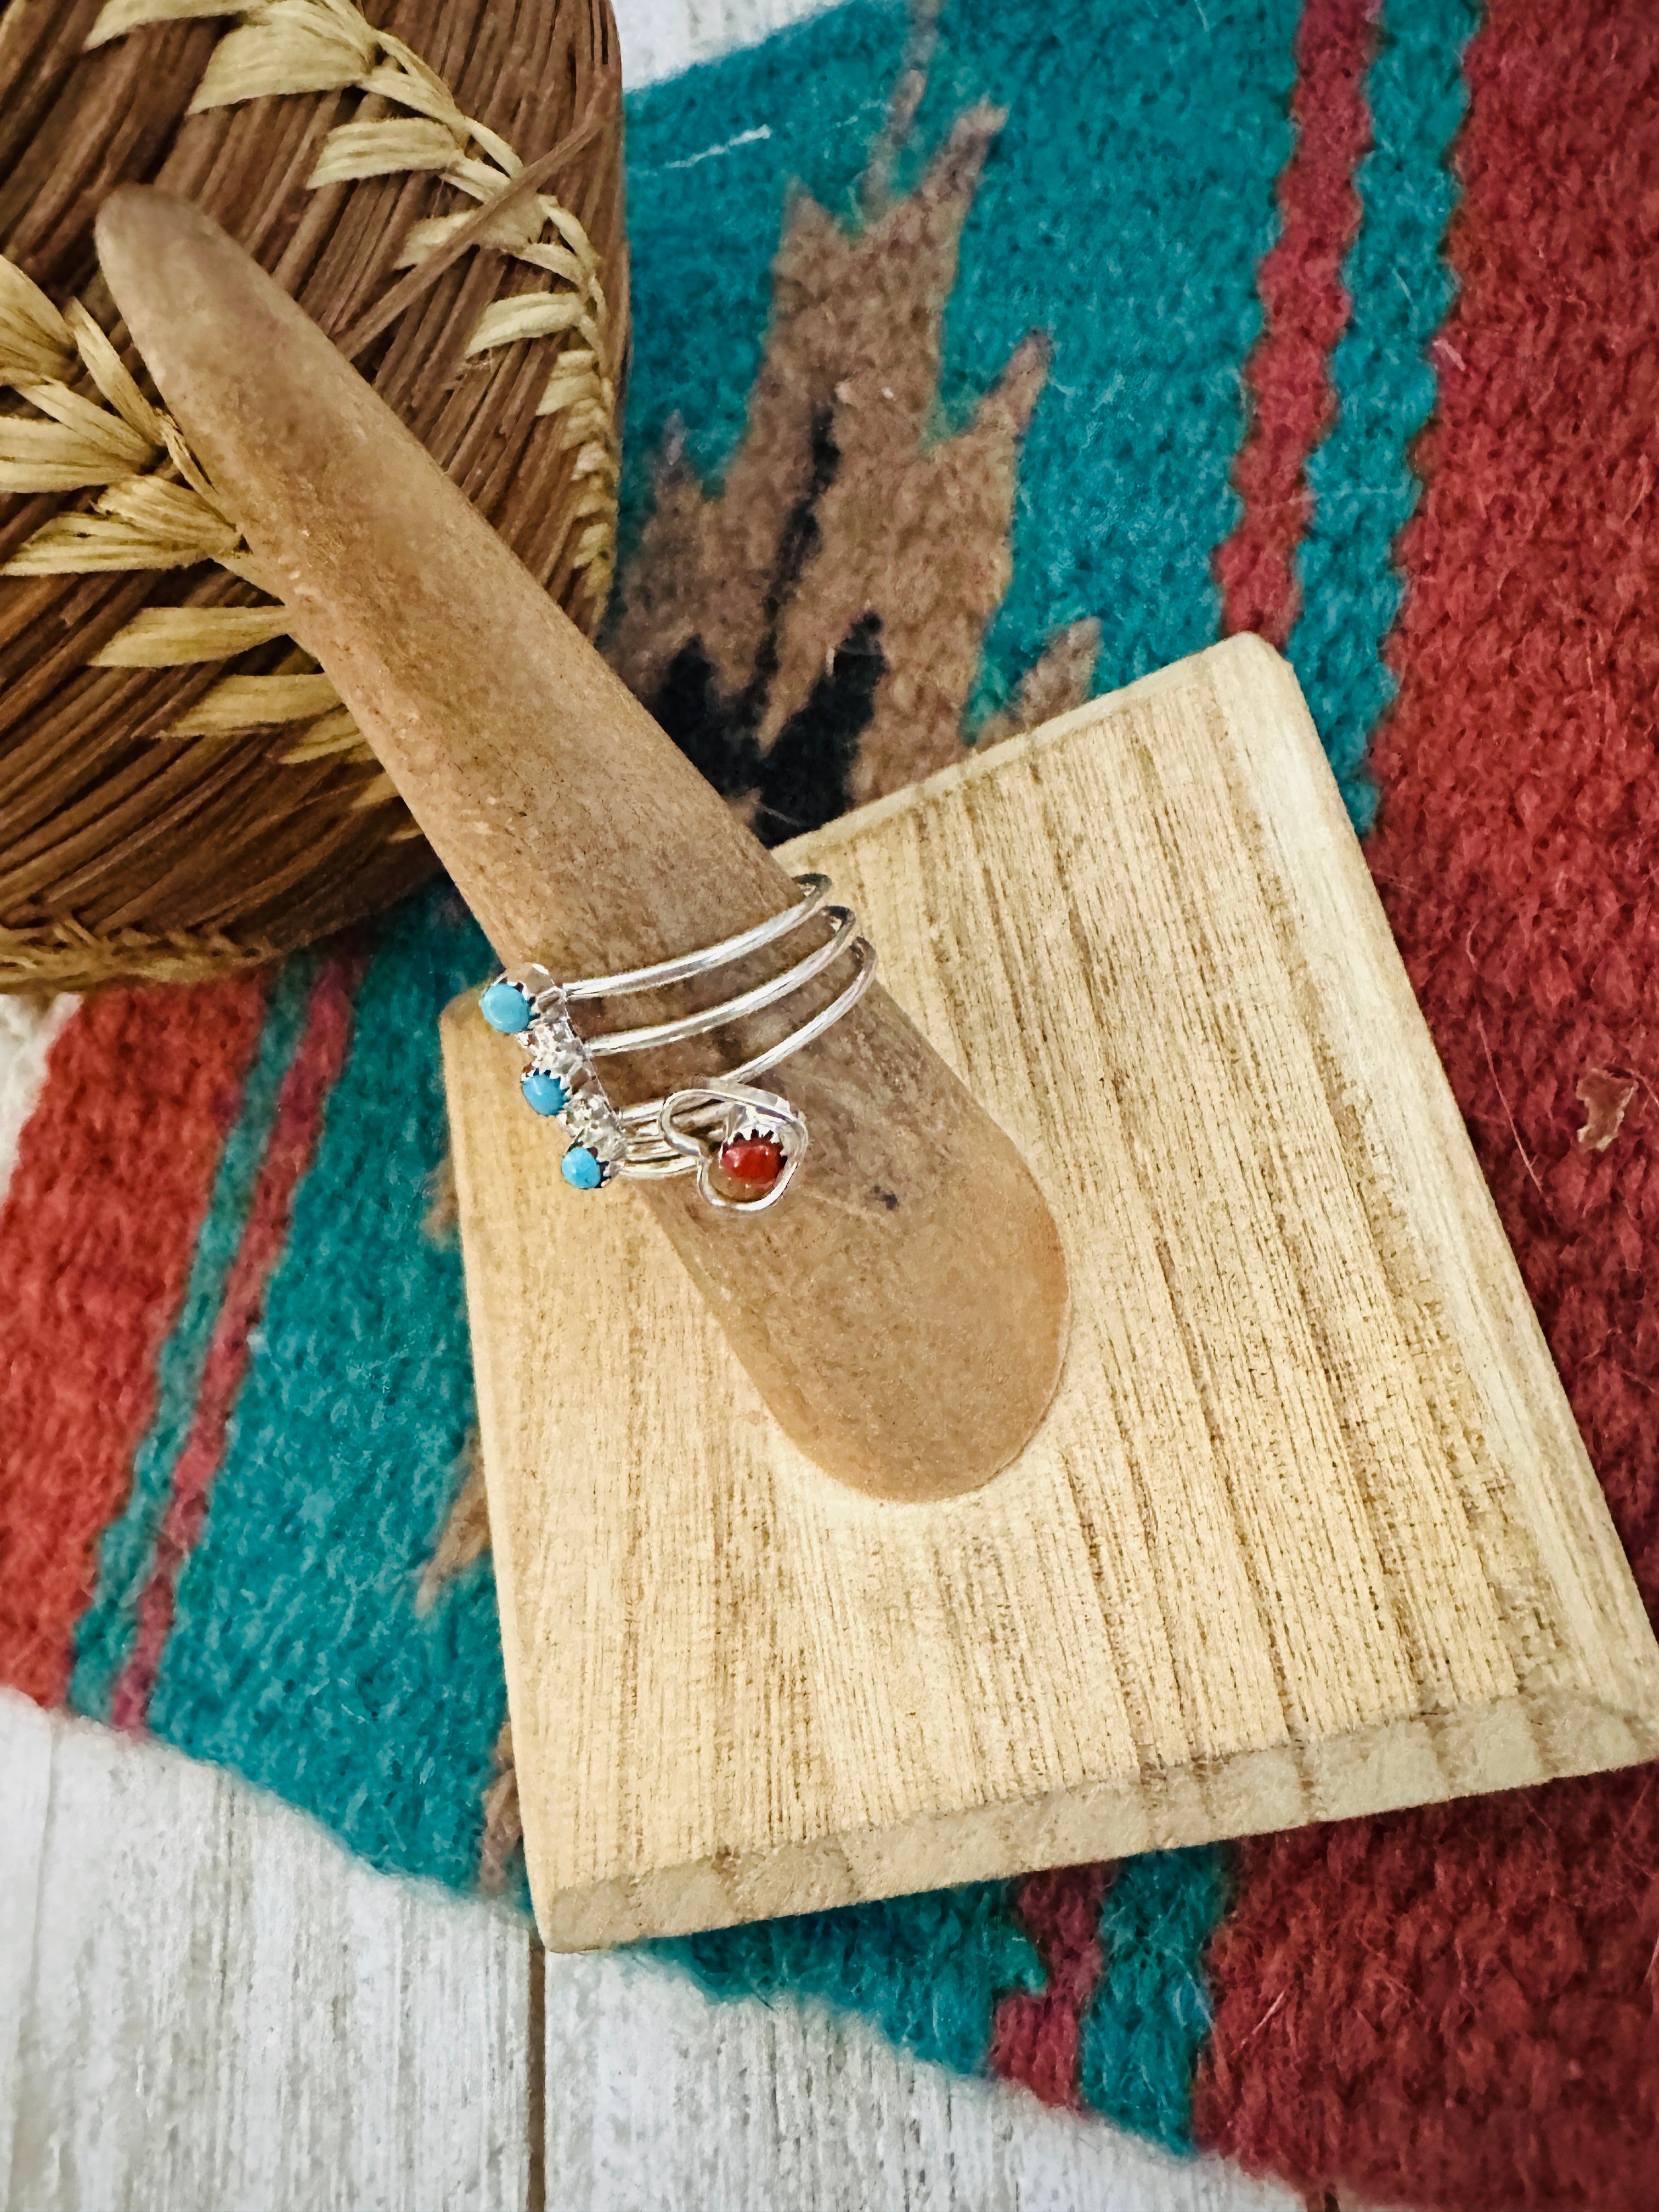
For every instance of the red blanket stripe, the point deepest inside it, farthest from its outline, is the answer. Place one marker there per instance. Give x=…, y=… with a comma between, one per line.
x=1428, y=2006
x=114, y=1174
x=1035, y=2039
x=1304, y=312
x=298, y=1123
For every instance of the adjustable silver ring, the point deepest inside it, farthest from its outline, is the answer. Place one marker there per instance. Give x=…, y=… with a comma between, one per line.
x=743, y=1143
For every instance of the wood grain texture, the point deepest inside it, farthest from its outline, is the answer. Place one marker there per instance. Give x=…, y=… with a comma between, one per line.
x=206, y=2006
x=582, y=837
x=1308, y=1530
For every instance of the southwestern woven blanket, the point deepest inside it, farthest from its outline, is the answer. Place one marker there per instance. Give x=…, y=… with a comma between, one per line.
x=988, y=359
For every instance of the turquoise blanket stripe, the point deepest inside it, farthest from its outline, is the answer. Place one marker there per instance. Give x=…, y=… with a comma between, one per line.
x=1122, y=211
x=928, y=1970
x=298, y=1659
x=1363, y=484
x=104, y=1639
x=1151, y=2012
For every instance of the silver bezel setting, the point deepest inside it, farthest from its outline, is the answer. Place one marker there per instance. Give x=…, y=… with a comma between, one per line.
x=741, y=1110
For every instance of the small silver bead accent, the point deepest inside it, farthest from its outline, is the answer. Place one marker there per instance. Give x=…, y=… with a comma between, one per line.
x=591, y=1119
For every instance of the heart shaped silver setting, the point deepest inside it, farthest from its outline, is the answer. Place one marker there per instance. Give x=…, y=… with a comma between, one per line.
x=700, y=1121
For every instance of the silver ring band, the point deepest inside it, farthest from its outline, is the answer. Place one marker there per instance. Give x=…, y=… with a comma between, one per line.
x=680, y=970
x=733, y=1010
x=743, y=1144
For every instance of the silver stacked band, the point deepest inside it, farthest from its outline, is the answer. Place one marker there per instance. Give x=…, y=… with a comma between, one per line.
x=743, y=1143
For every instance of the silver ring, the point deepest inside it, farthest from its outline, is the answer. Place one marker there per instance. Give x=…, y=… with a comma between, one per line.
x=743, y=1144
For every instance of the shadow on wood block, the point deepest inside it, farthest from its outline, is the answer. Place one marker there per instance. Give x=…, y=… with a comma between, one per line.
x=1308, y=1530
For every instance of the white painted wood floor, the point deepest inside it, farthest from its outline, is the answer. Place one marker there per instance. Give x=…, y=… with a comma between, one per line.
x=207, y=2006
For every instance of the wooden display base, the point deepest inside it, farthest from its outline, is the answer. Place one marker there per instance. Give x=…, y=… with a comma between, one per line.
x=1308, y=1531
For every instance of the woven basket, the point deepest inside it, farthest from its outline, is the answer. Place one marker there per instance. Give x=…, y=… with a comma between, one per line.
x=439, y=183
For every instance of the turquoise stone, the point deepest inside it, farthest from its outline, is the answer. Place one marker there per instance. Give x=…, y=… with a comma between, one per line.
x=580, y=1170
x=546, y=1094
x=506, y=1007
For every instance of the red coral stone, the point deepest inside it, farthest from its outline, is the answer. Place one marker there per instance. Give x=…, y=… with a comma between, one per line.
x=755, y=1162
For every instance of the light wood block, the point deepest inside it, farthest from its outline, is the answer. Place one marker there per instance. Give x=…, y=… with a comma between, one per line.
x=1308, y=1531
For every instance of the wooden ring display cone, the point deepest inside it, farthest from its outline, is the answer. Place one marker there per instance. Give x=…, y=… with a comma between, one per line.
x=903, y=1313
